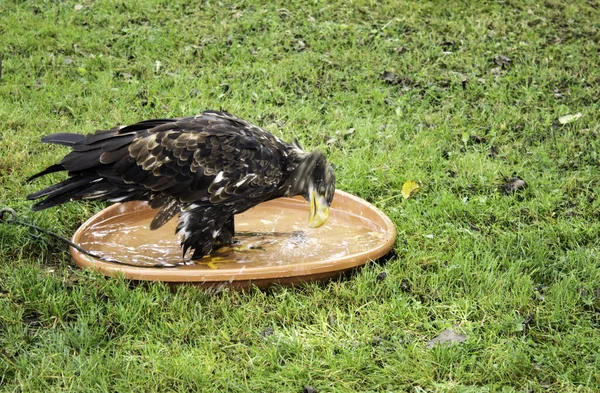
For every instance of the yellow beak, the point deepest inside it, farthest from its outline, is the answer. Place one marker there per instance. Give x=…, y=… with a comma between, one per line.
x=319, y=210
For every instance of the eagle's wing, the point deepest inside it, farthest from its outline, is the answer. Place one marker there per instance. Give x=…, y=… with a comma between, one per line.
x=211, y=159
x=208, y=159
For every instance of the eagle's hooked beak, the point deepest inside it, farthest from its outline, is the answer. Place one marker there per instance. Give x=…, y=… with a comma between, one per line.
x=319, y=209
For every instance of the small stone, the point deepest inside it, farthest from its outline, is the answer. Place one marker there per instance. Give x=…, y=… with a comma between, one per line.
x=513, y=185
x=381, y=276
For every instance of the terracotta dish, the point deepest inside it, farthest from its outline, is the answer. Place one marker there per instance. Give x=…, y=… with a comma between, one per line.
x=275, y=244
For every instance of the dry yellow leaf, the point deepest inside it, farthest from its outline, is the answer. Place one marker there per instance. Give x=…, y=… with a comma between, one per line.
x=409, y=189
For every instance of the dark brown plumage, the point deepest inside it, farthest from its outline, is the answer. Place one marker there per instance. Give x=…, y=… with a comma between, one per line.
x=206, y=168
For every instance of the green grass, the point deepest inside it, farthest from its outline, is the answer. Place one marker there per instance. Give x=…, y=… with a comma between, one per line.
x=517, y=274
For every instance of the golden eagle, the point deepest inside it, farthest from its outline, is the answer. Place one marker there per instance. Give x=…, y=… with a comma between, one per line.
x=206, y=168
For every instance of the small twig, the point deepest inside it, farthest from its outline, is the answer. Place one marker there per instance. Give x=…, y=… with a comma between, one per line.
x=13, y=219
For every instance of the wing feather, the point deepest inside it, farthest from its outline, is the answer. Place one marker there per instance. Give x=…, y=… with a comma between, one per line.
x=187, y=157
x=212, y=158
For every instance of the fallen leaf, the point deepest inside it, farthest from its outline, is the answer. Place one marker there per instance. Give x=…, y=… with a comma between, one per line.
x=78, y=7
x=409, y=189
x=569, y=118
x=446, y=337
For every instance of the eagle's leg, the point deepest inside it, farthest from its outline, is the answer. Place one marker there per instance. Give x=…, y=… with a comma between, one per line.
x=209, y=230
x=225, y=241
x=201, y=227
x=225, y=236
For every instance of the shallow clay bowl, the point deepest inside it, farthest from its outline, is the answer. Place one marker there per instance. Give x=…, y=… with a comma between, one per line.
x=274, y=244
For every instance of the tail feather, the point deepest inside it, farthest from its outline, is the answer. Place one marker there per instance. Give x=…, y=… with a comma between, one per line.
x=91, y=166
x=76, y=161
x=50, y=169
x=64, y=186
x=63, y=138
x=63, y=191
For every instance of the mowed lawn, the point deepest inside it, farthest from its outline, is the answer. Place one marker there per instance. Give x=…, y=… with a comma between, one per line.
x=492, y=107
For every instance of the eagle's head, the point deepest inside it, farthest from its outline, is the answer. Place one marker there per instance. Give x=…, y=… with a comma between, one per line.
x=313, y=178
